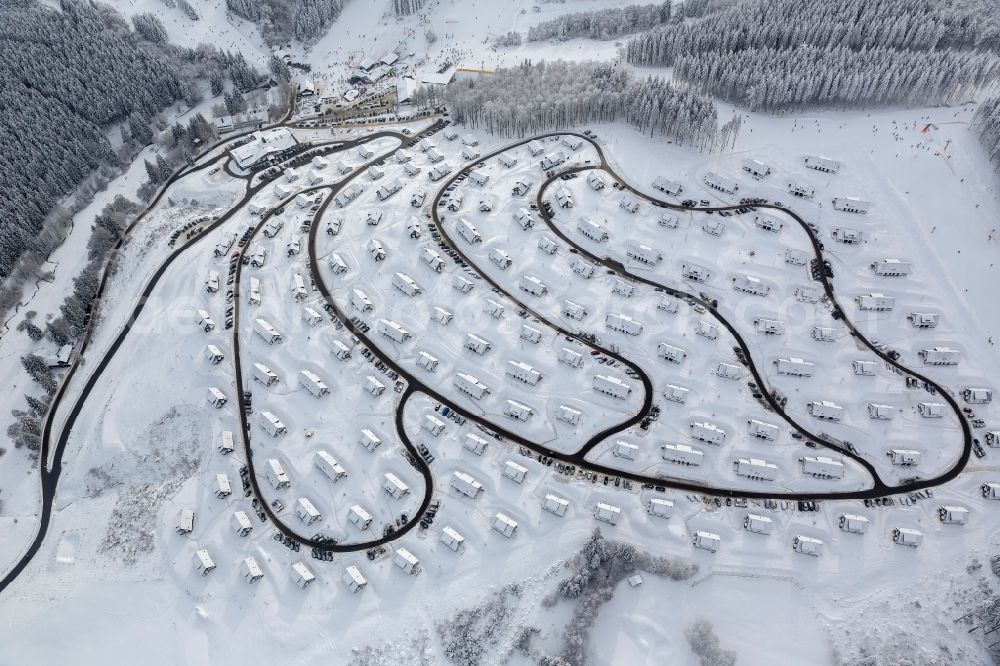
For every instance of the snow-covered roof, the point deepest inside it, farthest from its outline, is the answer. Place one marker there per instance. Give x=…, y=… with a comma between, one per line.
x=263, y=144
x=438, y=78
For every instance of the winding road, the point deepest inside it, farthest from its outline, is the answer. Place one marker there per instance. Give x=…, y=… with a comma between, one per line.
x=49, y=473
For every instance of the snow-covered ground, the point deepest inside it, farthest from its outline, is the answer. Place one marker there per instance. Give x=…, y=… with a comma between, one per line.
x=115, y=582
x=133, y=463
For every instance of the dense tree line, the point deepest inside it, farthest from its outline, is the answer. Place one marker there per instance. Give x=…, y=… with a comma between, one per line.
x=68, y=75
x=533, y=98
x=281, y=21
x=602, y=23
x=512, y=38
x=771, y=54
x=770, y=80
x=65, y=75
x=785, y=25
x=987, y=126
x=406, y=7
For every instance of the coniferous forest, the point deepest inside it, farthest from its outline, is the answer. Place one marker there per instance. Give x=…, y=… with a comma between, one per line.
x=537, y=97
x=777, y=54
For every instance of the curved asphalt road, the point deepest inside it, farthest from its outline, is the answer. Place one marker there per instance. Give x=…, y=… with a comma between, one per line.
x=50, y=476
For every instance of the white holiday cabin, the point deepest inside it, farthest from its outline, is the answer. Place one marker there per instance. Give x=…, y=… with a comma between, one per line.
x=555, y=505
x=807, y=545
x=707, y=432
x=611, y=386
x=953, y=515
x=532, y=335
x=517, y=410
x=756, y=469
x=301, y=575
x=824, y=164
x=756, y=168
x=474, y=444
x=939, y=356
x=826, y=410
x=670, y=352
x=203, y=562
x=250, y=570
x=682, y=454
x=865, y=368
x=750, y=285
x=465, y=484
x=216, y=397
x=661, y=508
x=470, y=385
x=223, y=488
x=514, y=471
x=822, y=467
x=795, y=367
x=904, y=457
x=706, y=541
x=607, y=513
x=852, y=523
x=329, y=466
x=427, y=361
x=592, y=230
x=574, y=310
x=757, y=524
x=452, y=539
x=623, y=324
x=214, y=354
x=462, y=283
x=359, y=517
x=313, y=383
x=851, y=205
x=241, y=523
x=667, y=186
x=570, y=357
x=721, y=183
x=623, y=449
x=369, y=440
x=276, y=474
x=695, y=272
x=433, y=425
x=923, y=319
x=875, y=302
x=394, y=487
x=567, y=414
x=185, y=521
x=905, y=536
x=675, y=393
x=406, y=561
x=891, y=268
x=504, y=524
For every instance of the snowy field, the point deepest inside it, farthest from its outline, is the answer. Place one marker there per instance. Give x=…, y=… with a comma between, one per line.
x=105, y=550
x=114, y=582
